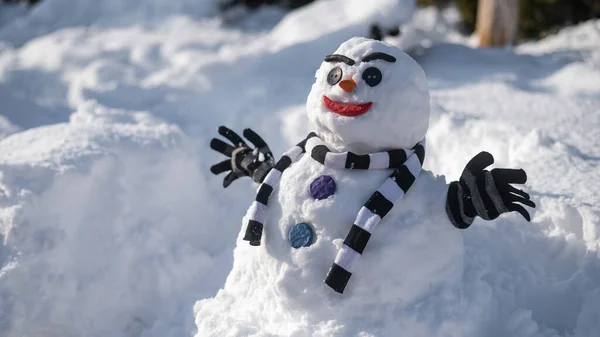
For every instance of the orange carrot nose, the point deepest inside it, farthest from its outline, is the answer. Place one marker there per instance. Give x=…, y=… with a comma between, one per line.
x=348, y=85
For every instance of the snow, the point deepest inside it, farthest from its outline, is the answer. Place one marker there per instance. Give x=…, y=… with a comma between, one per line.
x=112, y=225
x=51, y=16
x=339, y=20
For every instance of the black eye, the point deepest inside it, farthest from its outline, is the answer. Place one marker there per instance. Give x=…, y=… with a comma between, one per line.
x=372, y=76
x=334, y=76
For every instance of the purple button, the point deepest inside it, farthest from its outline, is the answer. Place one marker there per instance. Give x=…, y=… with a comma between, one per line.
x=321, y=188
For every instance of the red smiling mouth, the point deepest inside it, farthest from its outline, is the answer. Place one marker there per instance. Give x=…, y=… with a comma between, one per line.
x=345, y=109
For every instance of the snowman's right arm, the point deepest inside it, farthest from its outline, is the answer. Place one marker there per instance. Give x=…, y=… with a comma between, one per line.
x=243, y=160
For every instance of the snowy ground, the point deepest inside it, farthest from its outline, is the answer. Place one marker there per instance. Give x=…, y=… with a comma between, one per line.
x=111, y=224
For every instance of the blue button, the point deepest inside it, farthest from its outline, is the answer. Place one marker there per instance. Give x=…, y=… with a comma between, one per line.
x=301, y=235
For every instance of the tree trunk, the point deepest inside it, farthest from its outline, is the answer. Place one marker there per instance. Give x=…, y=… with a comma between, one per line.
x=497, y=22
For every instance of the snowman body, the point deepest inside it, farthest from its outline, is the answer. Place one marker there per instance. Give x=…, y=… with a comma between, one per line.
x=278, y=290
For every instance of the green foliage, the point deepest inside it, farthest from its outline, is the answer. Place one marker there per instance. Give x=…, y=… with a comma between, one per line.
x=537, y=18
x=425, y=3
x=468, y=11
x=297, y=3
x=438, y=3
x=540, y=17
x=252, y=4
x=29, y=2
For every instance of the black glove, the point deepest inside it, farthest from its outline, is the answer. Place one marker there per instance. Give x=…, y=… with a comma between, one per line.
x=486, y=194
x=254, y=163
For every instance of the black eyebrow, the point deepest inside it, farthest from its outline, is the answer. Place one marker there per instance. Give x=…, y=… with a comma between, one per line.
x=379, y=56
x=339, y=58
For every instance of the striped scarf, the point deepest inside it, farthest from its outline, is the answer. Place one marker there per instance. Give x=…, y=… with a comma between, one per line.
x=407, y=165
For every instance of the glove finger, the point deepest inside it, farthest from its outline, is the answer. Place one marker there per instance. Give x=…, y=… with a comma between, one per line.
x=267, y=153
x=483, y=195
x=229, y=178
x=517, y=192
x=479, y=162
x=518, y=208
x=254, y=138
x=509, y=176
x=524, y=201
x=232, y=136
x=221, y=167
x=221, y=147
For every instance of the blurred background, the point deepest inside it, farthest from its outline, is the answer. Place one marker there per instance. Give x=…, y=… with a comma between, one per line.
x=533, y=19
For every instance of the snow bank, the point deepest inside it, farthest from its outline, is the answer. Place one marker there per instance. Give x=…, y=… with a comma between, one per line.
x=511, y=103
x=102, y=229
x=8, y=12
x=339, y=20
x=108, y=223
x=52, y=15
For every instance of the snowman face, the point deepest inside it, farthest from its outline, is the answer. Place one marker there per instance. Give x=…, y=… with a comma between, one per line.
x=369, y=96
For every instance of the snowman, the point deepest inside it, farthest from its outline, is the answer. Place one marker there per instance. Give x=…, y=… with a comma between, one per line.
x=347, y=232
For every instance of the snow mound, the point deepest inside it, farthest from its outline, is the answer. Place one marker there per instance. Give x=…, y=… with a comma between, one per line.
x=51, y=15
x=339, y=20
x=107, y=201
x=109, y=223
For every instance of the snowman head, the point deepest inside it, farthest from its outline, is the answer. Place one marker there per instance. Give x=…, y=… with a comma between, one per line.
x=369, y=96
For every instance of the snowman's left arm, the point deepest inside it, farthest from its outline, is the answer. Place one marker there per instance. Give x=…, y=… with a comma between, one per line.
x=243, y=161
x=484, y=193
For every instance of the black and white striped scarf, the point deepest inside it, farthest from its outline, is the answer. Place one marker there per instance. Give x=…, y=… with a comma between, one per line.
x=407, y=165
